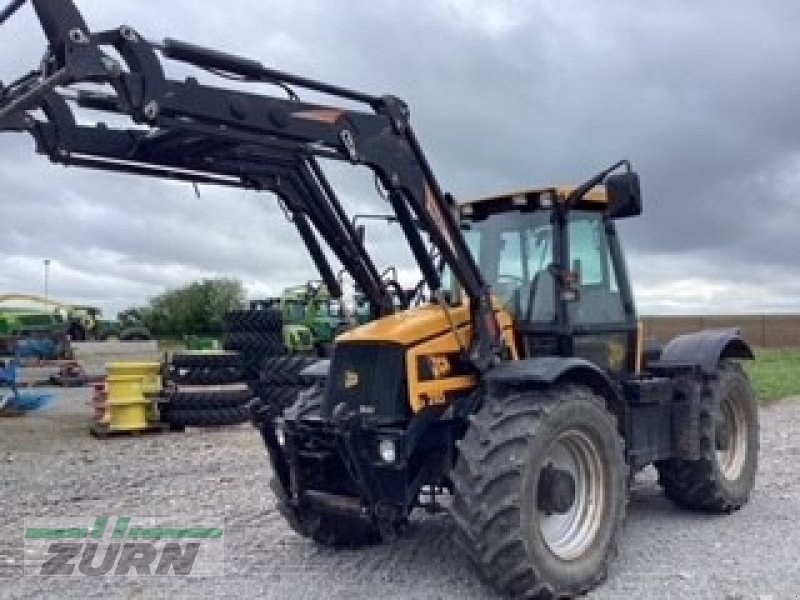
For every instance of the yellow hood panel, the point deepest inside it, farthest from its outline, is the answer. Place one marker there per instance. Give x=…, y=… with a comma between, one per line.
x=416, y=324
x=407, y=327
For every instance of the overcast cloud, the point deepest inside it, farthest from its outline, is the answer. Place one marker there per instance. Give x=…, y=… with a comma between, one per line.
x=702, y=97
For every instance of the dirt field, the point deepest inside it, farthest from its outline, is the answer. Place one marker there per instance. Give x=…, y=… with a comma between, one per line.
x=51, y=467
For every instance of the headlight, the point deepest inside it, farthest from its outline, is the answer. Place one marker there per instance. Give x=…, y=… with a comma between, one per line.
x=280, y=434
x=387, y=451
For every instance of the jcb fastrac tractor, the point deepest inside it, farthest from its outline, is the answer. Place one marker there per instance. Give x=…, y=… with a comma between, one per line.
x=520, y=389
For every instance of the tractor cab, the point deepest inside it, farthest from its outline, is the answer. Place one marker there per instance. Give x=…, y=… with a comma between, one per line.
x=557, y=267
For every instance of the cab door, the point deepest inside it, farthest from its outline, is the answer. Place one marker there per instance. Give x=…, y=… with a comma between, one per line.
x=602, y=314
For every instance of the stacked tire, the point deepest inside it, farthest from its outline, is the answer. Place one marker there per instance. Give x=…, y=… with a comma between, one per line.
x=254, y=334
x=205, y=389
x=280, y=380
x=274, y=376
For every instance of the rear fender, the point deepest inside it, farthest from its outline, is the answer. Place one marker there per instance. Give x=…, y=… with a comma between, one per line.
x=705, y=349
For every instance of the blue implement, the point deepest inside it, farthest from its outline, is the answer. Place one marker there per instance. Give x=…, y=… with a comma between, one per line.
x=16, y=402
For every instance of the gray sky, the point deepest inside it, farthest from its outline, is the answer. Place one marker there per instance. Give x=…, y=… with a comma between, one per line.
x=702, y=97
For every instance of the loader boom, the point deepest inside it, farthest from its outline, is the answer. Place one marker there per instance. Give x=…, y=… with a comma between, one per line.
x=211, y=134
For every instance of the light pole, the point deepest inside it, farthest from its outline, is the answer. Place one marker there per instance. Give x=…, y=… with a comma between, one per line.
x=46, y=281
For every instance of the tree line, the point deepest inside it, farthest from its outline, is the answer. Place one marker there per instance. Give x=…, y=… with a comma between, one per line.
x=197, y=308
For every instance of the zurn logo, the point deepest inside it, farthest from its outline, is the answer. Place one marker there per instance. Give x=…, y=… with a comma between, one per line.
x=124, y=546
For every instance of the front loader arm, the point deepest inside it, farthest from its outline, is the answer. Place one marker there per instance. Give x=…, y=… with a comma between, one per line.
x=196, y=132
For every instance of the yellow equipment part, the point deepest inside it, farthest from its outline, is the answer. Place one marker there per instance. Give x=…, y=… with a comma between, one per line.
x=148, y=372
x=127, y=405
x=432, y=350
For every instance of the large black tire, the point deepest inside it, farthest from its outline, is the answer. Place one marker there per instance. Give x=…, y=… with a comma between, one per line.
x=240, y=321
x=285, y=370
x=255, y=343
x=236, y=320
x=204, y=376
x=183, y=400
x=277, y=396
x=527, y=539
x=179, y=418
x=280, y=382
x=326, y=529
x=203, y=359
x=720, y=481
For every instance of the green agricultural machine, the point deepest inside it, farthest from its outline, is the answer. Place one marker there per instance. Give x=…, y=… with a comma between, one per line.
x=31, y=317
x=21, y=324
x=312, y=307
x=86, y=323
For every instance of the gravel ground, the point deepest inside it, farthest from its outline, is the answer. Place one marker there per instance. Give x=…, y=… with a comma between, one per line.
x=52, y=467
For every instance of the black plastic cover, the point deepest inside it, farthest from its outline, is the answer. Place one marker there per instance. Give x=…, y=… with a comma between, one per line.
x=367, y=380
x=704, y=349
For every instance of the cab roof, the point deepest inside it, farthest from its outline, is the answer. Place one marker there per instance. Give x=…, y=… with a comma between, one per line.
x=596, y=195
x=532, y=197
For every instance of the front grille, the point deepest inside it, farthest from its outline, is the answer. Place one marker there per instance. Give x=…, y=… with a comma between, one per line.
x=368, y=379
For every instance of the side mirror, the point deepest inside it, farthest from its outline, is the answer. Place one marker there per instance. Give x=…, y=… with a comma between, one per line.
x=624, y=195
x=361, y=233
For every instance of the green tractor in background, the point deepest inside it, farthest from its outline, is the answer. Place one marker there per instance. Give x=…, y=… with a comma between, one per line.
x=86, y=323
x=310, y=308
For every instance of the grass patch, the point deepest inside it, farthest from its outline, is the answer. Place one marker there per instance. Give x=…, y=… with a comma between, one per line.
x=775, y=373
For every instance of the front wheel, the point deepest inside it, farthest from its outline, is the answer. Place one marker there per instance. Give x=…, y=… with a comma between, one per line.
x=540, y=491
x=722, y=479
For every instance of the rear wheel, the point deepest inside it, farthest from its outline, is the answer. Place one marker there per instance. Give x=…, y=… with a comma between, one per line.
x=540, y=491
x=77, y=333
x=722, y=479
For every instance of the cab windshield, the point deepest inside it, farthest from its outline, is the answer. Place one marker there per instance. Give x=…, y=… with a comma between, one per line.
x=296, y=310
x=515, y=252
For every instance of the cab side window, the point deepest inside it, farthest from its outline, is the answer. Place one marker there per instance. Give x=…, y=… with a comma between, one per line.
x=599, y=300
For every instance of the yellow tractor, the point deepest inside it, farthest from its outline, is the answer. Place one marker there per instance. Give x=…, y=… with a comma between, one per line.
x=536, y=450
x=515, y=384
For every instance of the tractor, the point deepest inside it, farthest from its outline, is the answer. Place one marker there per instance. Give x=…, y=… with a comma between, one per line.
x=312, y=307
x=516, y=383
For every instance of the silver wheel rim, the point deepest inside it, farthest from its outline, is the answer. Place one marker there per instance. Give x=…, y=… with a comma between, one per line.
x=734, y=442
x=570, y=534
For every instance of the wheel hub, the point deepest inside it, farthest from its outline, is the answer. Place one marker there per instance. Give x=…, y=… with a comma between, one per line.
x=571, y=494
x=723, y=435
x=556, y=491
x=731, y=437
